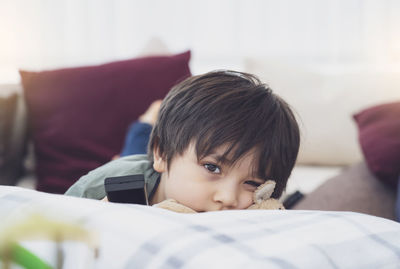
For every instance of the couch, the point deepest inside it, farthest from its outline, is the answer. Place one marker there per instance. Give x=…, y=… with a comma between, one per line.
x=332, y=169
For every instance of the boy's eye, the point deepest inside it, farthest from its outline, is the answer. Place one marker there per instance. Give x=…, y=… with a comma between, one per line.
x=252, y=183
x=212, y=168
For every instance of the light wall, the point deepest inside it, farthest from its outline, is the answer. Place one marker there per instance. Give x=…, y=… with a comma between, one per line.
x=43, y=34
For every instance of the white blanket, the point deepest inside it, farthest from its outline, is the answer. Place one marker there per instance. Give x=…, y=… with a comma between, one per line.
x=135, y=236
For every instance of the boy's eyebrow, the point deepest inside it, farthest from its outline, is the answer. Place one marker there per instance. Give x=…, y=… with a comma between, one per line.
x=219, y=158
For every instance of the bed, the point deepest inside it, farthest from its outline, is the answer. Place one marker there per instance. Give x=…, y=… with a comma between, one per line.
x=135, y=236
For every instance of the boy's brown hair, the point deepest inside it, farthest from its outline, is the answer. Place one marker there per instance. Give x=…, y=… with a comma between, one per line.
x=229, y=108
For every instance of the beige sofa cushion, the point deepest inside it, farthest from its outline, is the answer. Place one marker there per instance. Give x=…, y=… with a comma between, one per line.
x=325, y=98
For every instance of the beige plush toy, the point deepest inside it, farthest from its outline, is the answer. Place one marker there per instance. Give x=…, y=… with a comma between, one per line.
x=261, y=198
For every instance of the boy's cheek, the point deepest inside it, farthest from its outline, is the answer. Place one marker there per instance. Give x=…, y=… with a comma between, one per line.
x=247, y=201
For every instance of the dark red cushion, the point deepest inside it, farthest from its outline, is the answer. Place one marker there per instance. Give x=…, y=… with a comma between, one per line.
x=79, y=116
x=379, y=136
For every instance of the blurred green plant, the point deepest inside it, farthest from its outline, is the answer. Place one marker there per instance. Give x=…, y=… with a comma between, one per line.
x=38, y=227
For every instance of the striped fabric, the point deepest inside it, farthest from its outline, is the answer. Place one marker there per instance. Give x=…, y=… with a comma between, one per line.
x=135, y=236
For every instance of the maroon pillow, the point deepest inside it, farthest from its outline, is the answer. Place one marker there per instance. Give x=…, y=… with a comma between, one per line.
x=379, y=136
x=79, y=116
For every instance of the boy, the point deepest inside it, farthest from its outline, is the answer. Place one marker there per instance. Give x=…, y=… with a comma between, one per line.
x=218, y=137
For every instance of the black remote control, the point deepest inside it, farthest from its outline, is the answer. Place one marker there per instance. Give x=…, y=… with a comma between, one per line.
x=126, y=189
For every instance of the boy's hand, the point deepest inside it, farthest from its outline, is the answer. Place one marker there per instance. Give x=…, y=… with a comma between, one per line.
x=171, y=204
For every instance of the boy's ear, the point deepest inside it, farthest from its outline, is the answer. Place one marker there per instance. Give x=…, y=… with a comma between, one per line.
x=159, y=164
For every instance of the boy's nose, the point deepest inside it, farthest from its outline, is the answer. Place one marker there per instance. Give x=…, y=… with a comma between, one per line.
x=226, y=196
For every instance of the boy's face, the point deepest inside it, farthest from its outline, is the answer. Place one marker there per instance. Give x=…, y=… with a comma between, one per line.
x=206, y=185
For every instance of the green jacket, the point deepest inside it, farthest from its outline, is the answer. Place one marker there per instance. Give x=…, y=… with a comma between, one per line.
x=92, y=184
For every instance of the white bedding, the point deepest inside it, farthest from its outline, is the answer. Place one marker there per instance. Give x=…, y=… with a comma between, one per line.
x=134, y=236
